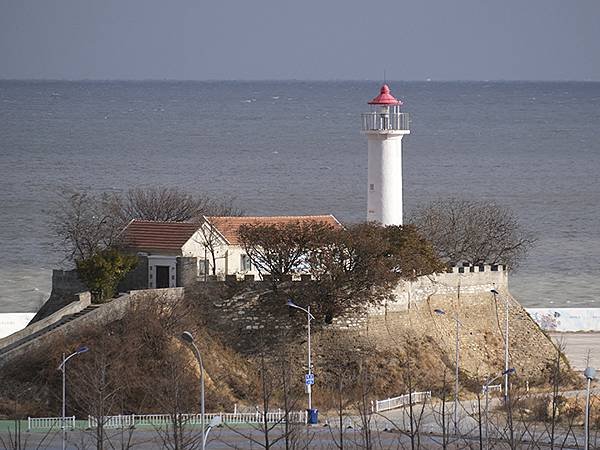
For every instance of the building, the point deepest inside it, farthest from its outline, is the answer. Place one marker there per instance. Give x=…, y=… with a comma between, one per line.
x=174, y=254
x=385, y=126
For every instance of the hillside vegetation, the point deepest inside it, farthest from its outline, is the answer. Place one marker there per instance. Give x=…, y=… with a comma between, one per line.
x=138, y=364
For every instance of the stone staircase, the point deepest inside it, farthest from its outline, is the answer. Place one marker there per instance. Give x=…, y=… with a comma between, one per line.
x=64, y=320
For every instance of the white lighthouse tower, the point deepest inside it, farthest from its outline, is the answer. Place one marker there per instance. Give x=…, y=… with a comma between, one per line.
x=385, y=126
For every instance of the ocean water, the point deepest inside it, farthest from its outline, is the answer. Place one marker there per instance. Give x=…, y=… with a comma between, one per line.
x=296, y=148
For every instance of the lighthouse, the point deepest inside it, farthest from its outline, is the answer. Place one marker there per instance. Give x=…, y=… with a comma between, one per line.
x=385, y=126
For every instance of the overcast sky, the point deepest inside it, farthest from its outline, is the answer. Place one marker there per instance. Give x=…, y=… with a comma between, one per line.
x=300, y=39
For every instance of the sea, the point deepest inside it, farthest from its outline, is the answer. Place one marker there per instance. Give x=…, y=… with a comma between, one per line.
x=295, y=147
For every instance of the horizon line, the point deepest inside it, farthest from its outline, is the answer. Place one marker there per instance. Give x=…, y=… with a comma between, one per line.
x=299, y=80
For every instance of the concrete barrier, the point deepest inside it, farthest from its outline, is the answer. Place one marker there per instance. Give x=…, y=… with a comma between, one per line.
x=12, y=322
x=566, y=319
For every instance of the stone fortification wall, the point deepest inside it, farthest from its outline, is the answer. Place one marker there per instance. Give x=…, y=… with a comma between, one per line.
x=82, y=301
x=461, y=281
x=410, y=317
x=103, y=315
x=137, y=278
x=65, y=287
x=465, y=294
x=247, y=311
x=240, y=318
x=187, y=271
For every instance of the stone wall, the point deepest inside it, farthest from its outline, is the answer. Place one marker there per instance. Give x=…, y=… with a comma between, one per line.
x=65, y=286
x=99, y=317
x=187, y=271
x=137, y=278
x=240, y=318
x=82, y=301
x=408, y=316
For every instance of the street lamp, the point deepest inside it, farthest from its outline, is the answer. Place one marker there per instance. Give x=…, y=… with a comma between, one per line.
x=63, y=368
x=590, y=374
x=486, y=389
x=441, y=312
x=506, y=357
x=214, y=422
x=189, y=338
x=309, y=317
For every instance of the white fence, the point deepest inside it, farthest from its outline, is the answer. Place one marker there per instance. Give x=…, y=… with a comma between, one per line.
x=158, y=420
x=36, y=423
x=397, y=402
x=492, y=388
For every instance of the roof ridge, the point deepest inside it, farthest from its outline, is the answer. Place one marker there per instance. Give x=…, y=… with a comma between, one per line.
x=264, y=217
x=163, y=221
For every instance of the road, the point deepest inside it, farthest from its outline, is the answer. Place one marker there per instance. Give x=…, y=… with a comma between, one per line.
x=578, y=346
x=391, y=430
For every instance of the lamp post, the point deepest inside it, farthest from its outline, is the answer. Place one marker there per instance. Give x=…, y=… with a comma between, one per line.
x=486, y=389
x=506, y=357
x=215, y=422
x=309, y=317
x=441, y=312
x=590, y=374
x=63, y=368
x=189, y=338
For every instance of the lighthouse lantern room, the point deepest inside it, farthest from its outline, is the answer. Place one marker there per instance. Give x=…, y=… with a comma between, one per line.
x=385, y=126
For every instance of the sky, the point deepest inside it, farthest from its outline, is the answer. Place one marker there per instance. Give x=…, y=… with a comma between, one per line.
x=300, y=39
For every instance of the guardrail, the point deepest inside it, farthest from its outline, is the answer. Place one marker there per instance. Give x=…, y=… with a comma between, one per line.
x=37, y=423
x=384, y=122
x=157, y=420
x=397, y=402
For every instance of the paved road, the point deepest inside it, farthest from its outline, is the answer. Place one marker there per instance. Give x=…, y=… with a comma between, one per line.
x=313, y=437
x=578, y=346
x=390, y=432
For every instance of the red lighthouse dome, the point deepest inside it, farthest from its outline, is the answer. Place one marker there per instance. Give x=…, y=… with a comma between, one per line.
x=385, y=98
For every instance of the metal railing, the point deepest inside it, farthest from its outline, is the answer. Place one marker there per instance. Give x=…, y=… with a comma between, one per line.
x=157, y=420
x=492, y=388
x=37, y=423
x=375, y=121
x=397, y=402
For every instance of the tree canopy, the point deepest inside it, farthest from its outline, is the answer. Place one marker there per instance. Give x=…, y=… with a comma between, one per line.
x=475, y=232
x=351, y=267
x=103, y=271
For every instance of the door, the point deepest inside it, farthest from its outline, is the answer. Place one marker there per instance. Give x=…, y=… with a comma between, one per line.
x=162, y=277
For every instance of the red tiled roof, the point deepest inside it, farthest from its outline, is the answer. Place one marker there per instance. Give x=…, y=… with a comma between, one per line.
x=144, y=234
x=228, y=226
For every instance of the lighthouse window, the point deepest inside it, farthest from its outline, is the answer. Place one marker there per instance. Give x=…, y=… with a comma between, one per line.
x=371, y=187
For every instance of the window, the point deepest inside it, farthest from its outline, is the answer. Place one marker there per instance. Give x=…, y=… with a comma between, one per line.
x=202, y=266
x=371, y=187
x=245, y=264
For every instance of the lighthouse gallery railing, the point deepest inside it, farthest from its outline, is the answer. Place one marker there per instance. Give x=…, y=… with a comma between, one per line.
x=376, y=121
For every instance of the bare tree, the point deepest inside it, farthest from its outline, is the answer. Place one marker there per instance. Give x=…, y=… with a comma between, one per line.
x=280, y=249
x=86, y=222
x=175, y=389
x=350, y=268
x=212, y=241
x=170, y=204
x=475, y=232
x=96, y=385
x=272, y=383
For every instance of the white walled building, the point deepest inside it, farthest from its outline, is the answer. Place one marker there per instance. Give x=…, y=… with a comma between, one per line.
x=223, y=232
x=199, y=249
x=385, y=126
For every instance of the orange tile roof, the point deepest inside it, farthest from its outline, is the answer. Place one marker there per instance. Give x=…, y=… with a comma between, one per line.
x=228, y=226
x=149, y=235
